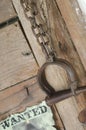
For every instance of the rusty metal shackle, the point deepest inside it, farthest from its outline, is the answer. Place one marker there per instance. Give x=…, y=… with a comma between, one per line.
x=62, y=63
x=54, y=96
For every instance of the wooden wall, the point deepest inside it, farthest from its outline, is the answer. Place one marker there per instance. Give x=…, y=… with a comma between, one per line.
x=18, y=67
x=68, y=39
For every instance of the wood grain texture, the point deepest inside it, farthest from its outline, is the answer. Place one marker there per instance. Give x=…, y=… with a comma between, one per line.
x=39, y=55
x=16, y=99
x=28, y=31
x=69, y=114
x=16, y=60
x=6, y=10
x=65, y=49
x=61, y=39
x=75, y=27
x=55, y=72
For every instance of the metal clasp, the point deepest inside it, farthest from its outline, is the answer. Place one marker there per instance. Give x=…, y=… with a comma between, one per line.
x=53, y=96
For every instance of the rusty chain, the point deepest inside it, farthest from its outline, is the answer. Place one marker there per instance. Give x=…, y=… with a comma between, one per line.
x=42, y=36
x=44, y=39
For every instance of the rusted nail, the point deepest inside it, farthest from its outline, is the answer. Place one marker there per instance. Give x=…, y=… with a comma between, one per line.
x=27, y=90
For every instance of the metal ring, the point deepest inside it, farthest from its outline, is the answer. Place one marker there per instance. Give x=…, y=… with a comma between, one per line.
x=70, y=72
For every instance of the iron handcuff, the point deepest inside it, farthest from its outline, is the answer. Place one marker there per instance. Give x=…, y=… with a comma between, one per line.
x=53, y=96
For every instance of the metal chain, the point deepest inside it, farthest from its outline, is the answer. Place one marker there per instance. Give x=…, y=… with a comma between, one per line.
x=42, y=36
x=44, y=39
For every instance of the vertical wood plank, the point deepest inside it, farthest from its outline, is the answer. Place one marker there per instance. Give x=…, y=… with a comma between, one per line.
x=28, y=31
x=78, y=34
x=70, y=107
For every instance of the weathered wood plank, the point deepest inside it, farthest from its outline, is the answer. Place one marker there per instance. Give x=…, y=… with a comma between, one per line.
x=69, y=114
x=57, y=77
x=61, y=39
x=78, y=34
x=6, y=10
x=28, y=31
x=40, y=57
x=65, y=49
x=37, y=50
x=16, y=99
x=16, y=60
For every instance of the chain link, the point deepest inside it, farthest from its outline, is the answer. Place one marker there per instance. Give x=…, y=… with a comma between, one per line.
x=44, y=39
x=42, y=36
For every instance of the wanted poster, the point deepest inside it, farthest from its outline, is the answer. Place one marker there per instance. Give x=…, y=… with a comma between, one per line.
x=38, y=117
